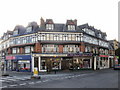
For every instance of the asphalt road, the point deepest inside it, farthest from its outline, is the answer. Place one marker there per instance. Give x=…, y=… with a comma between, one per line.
x=107, y=78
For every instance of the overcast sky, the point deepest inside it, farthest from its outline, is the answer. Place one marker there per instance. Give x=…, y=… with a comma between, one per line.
x=102, y=14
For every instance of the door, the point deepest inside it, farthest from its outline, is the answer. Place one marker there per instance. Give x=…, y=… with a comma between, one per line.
x=36, y=63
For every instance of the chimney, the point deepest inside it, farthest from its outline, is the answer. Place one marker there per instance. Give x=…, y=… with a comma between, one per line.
x=42, y=22
x=75, y=21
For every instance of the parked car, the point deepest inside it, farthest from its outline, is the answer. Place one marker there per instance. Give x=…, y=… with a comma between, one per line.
x=117, y=67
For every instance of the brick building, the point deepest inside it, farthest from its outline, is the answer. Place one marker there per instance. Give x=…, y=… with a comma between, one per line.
x=50, y=46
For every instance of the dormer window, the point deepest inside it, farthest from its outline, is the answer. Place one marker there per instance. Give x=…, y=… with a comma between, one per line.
x=100, y=36
x=71, y=27
x=49, y=26
x=29, y=29
x=15, y=32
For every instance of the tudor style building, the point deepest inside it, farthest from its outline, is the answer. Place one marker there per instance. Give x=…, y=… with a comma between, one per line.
x=50, y=46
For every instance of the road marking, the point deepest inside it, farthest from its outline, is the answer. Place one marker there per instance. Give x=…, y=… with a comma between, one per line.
x=38, y=82
x=3, y=87
x=31, y=83
x=13, y=85
x=23, y=84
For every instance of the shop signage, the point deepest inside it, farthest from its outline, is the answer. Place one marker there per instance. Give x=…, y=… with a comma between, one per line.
x=103, y=55
x=23, y=61
x=23, y=57
x=10, y=57
x=80, y=54
x=49, y=55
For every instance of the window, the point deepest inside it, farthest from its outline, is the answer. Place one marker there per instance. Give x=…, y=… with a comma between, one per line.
x=60, y=37
x=24, y=40
x=15, y=32
x=71, y=27
x=18, y=50
x=71, y=49
x=49, y=26
x=88, y=49
x=50, y=48
x=14, y=50
x=100, y=35
x=51, y=36
x=29, y=29
x=27, y=49
x=43, y=36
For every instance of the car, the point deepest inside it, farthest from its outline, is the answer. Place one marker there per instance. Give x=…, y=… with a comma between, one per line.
x=117, y=67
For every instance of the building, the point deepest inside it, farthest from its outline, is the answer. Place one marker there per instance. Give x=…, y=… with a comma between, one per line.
x=115, y=45
x=51, y=46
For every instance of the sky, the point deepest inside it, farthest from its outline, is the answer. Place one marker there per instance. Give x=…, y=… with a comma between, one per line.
x=102, y=14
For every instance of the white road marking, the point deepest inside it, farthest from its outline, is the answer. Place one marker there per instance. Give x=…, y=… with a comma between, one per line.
x=13, y=85
x=38, y=82
x=31, y=83
x=3, y=87
x=23, y=84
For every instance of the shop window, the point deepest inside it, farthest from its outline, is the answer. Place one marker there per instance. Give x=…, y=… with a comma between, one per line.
x=43, y=65
x=24, y=65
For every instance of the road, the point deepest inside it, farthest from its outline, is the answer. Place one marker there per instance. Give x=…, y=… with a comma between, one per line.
x=107, y=78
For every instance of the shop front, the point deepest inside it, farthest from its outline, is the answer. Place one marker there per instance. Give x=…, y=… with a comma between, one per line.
x=23, y=63
x=103, y=61
x=47, y=62
x=9, y=62
x=81, y=61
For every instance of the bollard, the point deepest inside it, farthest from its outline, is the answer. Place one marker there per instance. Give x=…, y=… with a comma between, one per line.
x=35, y=74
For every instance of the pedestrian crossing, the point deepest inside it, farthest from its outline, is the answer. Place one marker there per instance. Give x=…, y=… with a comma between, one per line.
x=13, y=78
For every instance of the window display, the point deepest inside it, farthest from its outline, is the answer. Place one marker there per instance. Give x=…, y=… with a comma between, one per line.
x=24, y=65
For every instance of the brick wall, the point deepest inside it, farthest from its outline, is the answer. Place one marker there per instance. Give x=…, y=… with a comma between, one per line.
x=9, y=51
x=38, y=48
x=21, y=50
x=60, y=48
x=82, y=47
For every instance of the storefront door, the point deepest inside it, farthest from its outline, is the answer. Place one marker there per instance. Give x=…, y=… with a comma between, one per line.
x=36, y=62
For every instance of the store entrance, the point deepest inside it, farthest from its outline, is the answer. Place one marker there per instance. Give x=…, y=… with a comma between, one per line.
x=36, y=62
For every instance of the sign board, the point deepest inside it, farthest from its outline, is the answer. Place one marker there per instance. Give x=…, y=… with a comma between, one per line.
x=80, y=54
x=49, y=55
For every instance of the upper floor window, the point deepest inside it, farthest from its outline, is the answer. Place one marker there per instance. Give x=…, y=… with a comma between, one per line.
x=15, y=32
x=100, y=35
x=49, y=48
x=71, y=48
x=14, y=50
x=29, y=29
x=71, y=27
x=27, y=49
x=49, y=26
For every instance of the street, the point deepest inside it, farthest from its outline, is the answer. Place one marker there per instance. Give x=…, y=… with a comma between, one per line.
x=107, y=78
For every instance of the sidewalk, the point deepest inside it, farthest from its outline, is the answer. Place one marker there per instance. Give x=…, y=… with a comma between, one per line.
x=14, y=73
